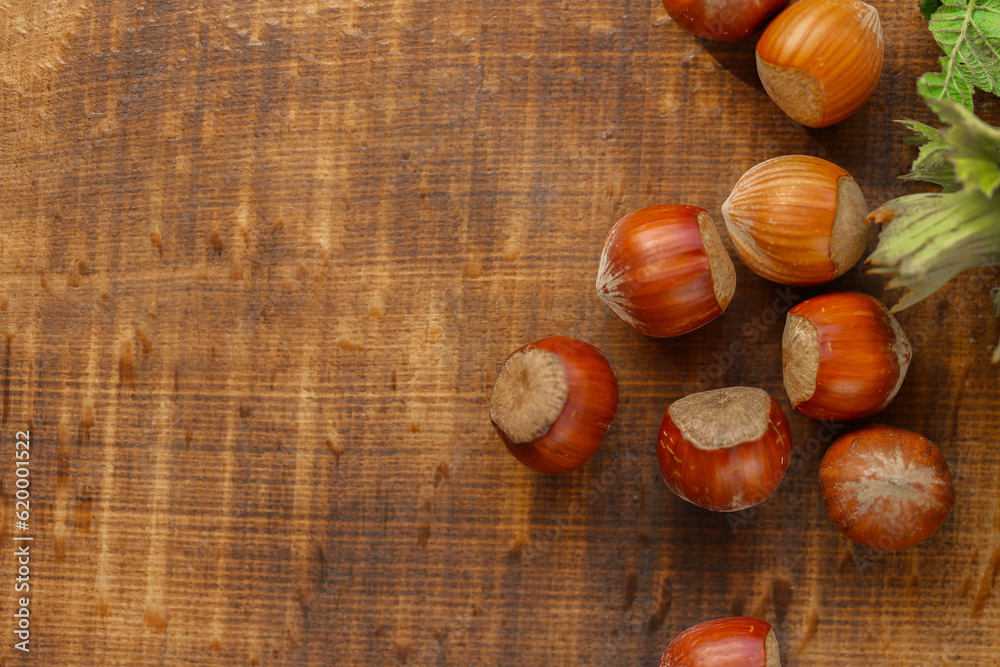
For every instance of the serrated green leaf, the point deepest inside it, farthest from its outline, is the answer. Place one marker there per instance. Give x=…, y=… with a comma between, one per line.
x=968, y=31
x=951, y=83
x=928, y=7
x=931, y=165
x=974, y=147
x=930, y=238
x=923, y=132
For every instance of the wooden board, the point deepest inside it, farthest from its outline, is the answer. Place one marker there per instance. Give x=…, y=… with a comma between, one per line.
x=260, y=263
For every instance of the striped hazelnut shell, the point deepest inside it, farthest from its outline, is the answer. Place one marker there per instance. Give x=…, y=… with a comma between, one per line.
x=553, y=402
x=665, y=271
x=820, y=60
x=722, y=20
x=844, y=356
x=797, y=220
x=725, y=642
x=724, y=449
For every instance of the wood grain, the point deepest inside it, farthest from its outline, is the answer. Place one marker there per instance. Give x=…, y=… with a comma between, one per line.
x=259, y=265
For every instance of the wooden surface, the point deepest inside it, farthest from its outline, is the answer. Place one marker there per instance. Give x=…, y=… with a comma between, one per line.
x=260, y=263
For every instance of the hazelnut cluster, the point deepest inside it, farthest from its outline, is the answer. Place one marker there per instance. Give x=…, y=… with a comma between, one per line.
x=664, y=271
x=819, y=60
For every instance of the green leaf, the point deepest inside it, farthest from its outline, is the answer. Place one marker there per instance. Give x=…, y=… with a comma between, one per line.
x=975, y=147
x=951, y=83
x=923, y=132
x=930, y=238
x=931, y=165
x=928, y=7
x=968, y=31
